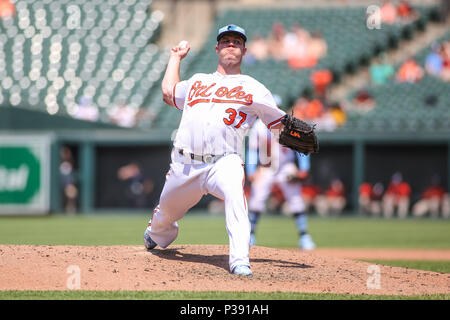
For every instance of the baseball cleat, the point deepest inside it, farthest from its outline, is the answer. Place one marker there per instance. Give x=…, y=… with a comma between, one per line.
x=306, y=242
x=242, y=270
x=252, y=239
x=148, y=242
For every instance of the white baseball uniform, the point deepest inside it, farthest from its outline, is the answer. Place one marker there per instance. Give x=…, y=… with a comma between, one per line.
x=276, y=164
x=207, y=156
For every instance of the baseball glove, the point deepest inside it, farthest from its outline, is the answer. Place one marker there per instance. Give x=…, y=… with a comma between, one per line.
x=298, y=135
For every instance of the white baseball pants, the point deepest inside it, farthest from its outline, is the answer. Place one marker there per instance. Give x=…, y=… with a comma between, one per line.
x=187, y=181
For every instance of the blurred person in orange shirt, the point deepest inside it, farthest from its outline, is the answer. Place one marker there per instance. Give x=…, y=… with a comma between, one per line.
x=396, y=197
x=406, y=12
x=310, y=191
x=365, y=192
x=314, y=110
x=321, y=79
x=370, y=198
x=7, y=9
x=388, y=12
x=300, y=106
x=410, y=71
x=333, y=200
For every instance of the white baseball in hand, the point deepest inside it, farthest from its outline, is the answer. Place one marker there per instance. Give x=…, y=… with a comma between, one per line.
x=183, y=44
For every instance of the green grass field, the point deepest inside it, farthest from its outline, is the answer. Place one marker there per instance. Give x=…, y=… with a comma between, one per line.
x=273, y=231
x=196, y=228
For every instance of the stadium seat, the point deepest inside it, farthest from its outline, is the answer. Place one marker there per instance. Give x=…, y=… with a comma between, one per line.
x=59, y=53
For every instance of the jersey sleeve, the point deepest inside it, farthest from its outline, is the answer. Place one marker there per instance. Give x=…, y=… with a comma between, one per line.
x=267, y=109
x=179, y=94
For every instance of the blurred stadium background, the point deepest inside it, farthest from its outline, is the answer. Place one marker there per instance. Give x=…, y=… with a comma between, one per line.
x=83, y=128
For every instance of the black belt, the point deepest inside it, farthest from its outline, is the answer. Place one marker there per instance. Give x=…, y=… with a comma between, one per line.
x=207, y=158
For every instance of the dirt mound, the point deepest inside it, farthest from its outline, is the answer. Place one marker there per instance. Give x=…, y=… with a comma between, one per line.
x=387, y=254
x=203, y=268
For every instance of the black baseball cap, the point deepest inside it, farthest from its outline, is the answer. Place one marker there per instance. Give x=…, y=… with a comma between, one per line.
x=231, y=28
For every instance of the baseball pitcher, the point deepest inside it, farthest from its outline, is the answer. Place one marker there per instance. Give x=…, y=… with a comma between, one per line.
x=218, y=109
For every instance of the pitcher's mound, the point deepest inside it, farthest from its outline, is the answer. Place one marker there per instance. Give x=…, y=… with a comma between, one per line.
x=203, y=268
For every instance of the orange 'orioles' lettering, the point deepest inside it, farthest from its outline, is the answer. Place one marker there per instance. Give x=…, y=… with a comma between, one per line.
x=234, y=95
x=197, y=90
x=295, y=134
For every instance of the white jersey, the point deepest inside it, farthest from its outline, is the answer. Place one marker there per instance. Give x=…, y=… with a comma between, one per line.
x=218, y=110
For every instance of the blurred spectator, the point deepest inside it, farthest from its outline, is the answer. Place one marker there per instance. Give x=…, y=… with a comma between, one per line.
x=445, y=54
x=370, y=198
x=7, y=9
x=327, y=118
x=321, y=80
x=276, y=42
x=381, y=71
x=307, y=50
x=388, y=12
x=310, y=191
x=333, y=201
x=338, y=114
x=363, y=101
x=317, y=46
x=397, y=197
x=364, y=199
x=376, y=199
x=410, y=71
x=314, y=109
x=296, y=42
x=434, y=200
x=68, y=179
x=299, y=107
x=406, y=12
x=123, y=115
x=326, y=122
x=257, y=50
x=138, y=186
x=86, y=110
x=297, y=46
x=434, y=62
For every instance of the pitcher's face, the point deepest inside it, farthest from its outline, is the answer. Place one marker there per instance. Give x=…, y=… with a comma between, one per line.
x=231, y=49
